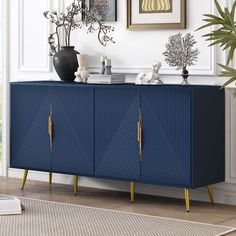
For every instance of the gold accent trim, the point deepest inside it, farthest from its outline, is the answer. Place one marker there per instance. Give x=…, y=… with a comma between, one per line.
x=211, y=194
x=50, y=127
x=187, y=199
x=50, y=178
x=75, y=184
x=24, y=179
x=132, y=192
x=140, y=135
x=144, y=26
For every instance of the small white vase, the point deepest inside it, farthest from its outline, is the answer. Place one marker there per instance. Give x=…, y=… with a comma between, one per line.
x=78, y=76
x=82, y=60
x=84, y=75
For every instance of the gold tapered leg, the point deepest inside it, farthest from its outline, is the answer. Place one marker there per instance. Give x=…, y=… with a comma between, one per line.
x=75, y=184
x=50, y=178
x=24, y=179
x=211, y=194
x=187, y=200
x=132, y=192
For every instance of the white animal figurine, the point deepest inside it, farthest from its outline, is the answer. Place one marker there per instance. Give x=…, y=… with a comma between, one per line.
x=152, y=78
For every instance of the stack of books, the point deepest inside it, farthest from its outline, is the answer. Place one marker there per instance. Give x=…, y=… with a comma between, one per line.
x=106, y=79
x=10, y=206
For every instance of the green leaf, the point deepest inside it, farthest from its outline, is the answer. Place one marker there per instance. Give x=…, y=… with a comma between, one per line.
x=228, y=16
x=205, y=26
x=224, y=36
x=212, y=16
x=215, y=42
x=233, y=10
x=227, y=68
x=234, y=93
x=229, y=82
x=219, y=9
x=230, y=55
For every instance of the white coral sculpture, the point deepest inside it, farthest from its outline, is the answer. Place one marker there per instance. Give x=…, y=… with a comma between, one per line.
x=180, y=52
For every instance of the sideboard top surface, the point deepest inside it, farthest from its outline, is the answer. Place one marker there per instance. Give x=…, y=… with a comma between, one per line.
x=118, y=86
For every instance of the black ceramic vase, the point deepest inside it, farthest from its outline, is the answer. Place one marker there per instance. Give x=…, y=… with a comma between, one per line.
x=65, y=63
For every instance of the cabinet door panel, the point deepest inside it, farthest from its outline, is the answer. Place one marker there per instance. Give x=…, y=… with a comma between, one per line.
x=73, y=130
x=116, y=145
x=166, y=136
x=30, y=108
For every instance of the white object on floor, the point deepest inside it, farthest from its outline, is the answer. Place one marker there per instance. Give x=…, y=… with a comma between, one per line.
x=10, y=206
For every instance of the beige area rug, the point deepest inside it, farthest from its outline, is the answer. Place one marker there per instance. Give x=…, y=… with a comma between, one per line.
x=43, y=218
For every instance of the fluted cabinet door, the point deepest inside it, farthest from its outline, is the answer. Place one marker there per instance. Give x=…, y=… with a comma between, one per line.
x=73, y=130
x=116, y=145
x=166, y=117
x=30, y=107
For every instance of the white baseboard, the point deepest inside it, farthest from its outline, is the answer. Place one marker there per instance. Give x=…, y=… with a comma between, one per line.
x=224, y=193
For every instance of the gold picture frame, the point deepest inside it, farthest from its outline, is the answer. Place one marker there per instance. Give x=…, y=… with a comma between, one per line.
x=150, y=26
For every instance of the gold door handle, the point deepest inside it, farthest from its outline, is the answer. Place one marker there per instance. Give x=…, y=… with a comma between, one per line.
x=139, y=134
x=50, y=127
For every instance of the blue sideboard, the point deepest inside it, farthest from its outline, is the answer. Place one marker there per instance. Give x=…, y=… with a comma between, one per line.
x=167, y=135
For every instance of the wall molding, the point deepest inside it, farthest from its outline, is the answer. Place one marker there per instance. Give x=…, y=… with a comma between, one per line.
x=5, y=89
x=229, y=3
x=22, y=66
x=230, y=176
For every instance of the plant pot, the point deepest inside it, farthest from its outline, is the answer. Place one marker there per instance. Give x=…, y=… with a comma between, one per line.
x=185, y=76
x=185, y=80
x=65, y=63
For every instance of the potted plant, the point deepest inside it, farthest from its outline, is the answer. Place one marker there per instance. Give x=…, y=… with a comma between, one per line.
x=64, y=55
x=224, y=36
x=180, y=53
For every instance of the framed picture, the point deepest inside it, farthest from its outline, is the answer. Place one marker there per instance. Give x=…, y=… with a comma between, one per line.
x=156, y=14
x=106, y=9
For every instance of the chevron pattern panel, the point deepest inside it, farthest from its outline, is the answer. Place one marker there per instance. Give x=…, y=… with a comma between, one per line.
x=73, y=127
x=29, y=128
x=95, y=131
x=116, y=149
x=166, y=136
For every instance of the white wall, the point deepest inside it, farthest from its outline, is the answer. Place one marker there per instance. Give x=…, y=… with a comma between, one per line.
x=134, y=51
x=0, y=38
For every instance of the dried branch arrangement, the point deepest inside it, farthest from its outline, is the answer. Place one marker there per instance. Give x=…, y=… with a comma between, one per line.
x=180, y=53
x=69, y=21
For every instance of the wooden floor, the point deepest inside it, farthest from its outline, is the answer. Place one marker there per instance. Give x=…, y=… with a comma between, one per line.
x=150, y=205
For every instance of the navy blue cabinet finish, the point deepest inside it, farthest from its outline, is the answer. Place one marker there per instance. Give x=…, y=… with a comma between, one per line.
x=95, y=132
x=183, y=135
x=166, y=114
x=73, y=131
x=30, y=107
x=116, y=146
x=72, y=110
